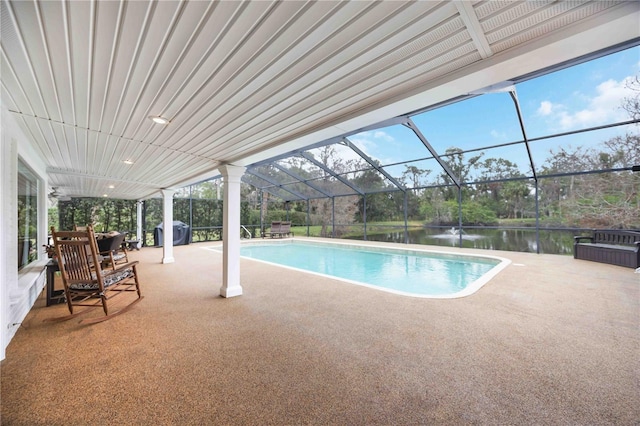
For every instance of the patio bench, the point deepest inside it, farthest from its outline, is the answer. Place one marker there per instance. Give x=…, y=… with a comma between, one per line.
x=615, y=247
x=278, y=229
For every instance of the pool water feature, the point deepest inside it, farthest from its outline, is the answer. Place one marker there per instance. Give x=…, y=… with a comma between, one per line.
x=418, y=273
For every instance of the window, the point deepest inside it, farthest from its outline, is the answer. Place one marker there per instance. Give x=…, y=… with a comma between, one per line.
x=27, y=215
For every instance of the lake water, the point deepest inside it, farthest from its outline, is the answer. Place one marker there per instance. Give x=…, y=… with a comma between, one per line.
x=522, y=240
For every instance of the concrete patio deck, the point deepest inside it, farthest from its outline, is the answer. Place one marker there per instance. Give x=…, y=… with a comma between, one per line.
x=550, y=340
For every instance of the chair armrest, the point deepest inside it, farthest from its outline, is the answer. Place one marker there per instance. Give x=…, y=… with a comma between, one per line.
x=120, y=268
x=579, y=238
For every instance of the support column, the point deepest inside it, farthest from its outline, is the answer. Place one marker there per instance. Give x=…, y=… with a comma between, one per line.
x=139, y=204
x=231, y=231
x=261, y=214
x=308, y=215
x=364, y=214
x=167, y=226
x=460, y=216
x=333, y=217
x=405, y=206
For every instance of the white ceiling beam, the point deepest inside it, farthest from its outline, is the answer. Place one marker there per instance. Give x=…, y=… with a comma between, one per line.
x=470, y=19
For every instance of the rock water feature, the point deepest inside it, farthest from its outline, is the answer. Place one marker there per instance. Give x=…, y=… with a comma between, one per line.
x=453, y=234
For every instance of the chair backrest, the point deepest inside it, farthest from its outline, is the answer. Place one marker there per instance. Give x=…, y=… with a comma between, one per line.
x=614, y=236
x=285, y=227
x=275, y=227
x=78, y=257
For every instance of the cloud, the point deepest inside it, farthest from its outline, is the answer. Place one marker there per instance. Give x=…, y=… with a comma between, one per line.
x=370, y=142
x=604, y=107
x=372, y=137
x=364, y=141
x=379, y=134
x=502, y=136
x=545, y=108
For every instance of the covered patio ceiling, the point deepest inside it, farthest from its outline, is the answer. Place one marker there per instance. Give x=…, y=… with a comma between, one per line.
x=242, y=82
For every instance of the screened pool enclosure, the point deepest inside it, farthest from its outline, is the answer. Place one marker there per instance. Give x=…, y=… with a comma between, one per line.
x=521, y=166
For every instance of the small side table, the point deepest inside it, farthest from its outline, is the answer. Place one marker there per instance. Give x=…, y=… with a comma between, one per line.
x=131, y=244
x=53, y=295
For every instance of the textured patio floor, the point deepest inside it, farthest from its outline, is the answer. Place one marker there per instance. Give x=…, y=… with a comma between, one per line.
x=550, y=340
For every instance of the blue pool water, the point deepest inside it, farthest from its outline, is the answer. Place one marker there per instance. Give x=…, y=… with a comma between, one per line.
x=410, y=272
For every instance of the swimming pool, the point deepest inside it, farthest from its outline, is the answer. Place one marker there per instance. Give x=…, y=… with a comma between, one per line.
x=418, y=273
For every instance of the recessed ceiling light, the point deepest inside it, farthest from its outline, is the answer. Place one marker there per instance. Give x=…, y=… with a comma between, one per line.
x=158, y=119
x=105, y=195
x=111, y=186
x=128, y=161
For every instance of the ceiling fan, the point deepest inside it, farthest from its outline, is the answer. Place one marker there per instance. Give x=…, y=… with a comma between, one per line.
x=55, y=195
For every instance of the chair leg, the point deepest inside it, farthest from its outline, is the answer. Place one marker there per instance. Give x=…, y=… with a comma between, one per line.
x=105, y=308
x=67, y=296
x=135, y=277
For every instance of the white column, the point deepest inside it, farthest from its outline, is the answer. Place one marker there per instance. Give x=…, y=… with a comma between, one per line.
x=6, y=232
x=139, y=204
x=231, y=231
x=167, y=226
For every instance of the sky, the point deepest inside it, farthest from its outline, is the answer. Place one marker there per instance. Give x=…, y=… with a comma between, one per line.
x=583, y=96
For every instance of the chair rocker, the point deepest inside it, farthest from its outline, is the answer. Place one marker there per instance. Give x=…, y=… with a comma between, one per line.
x=86, y=283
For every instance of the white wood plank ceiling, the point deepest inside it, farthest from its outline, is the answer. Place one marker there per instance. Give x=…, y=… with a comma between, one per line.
x=241, y=81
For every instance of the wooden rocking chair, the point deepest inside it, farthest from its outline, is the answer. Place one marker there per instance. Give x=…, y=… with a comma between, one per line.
x=85, y=282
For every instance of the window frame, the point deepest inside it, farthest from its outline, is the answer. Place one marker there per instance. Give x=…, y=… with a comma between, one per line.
x=29, y=186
